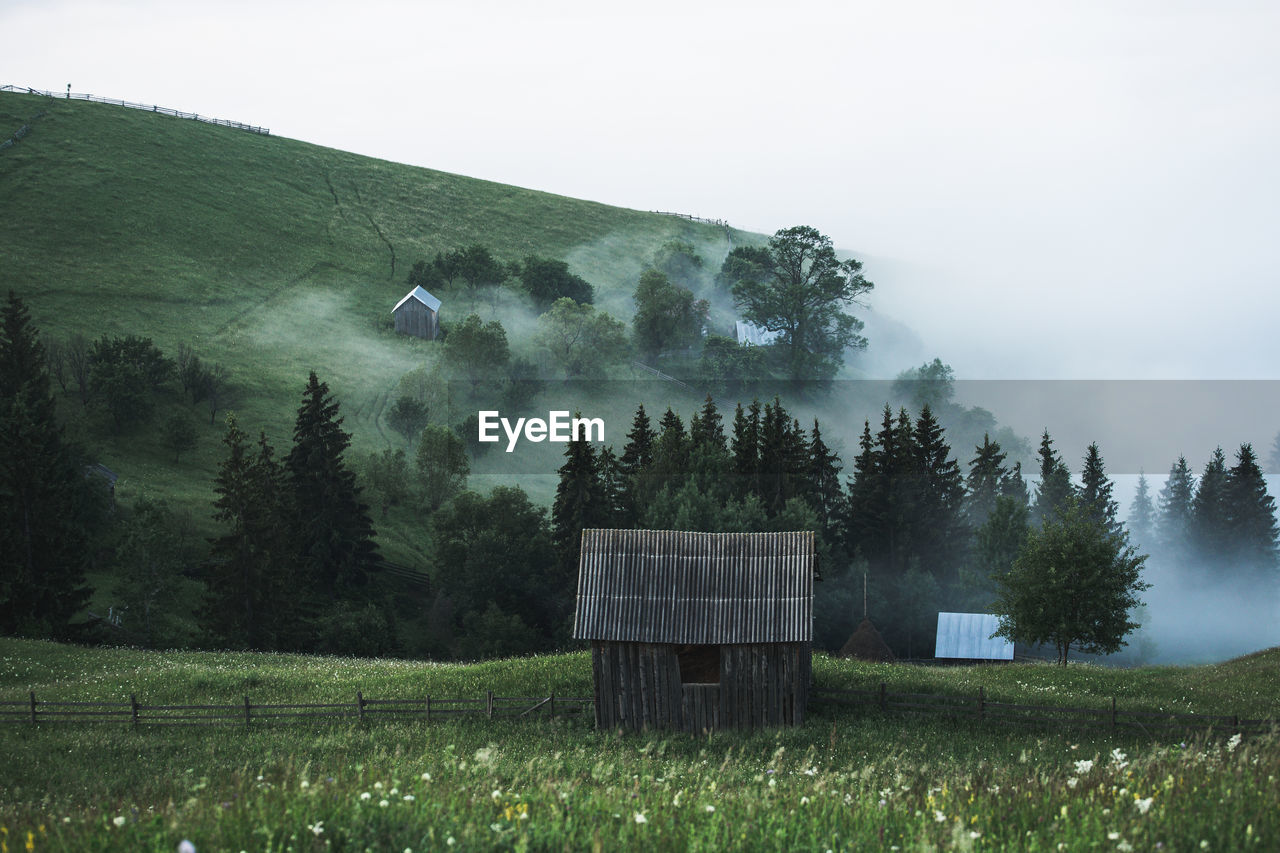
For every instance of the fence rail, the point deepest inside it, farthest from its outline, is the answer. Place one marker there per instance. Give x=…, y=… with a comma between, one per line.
x=979, y=707
x=33, y=710
x=721, y=222
x=79, y=96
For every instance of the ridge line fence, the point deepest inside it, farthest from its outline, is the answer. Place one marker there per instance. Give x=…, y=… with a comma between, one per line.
x=981, y=708
x=78, y=96
x=33, y=711
x=721, y=222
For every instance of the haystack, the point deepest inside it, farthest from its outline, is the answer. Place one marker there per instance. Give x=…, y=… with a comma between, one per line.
x=867, y=644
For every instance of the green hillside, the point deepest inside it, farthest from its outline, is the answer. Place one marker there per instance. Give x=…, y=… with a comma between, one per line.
x=270, y=256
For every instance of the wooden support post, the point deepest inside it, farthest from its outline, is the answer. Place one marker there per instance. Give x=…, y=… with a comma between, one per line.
x=248, y=713
x=1235, y=724
x=428, y=708
x=552, y=705
x=1113, y=713
x=884, y=703
x=360, y=704
x=133, y=708
x=33, y=707
x=982, y=702
x=488, y=703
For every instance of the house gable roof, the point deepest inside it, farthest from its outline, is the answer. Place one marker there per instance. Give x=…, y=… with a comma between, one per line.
x=666, y=586
x=422, y=296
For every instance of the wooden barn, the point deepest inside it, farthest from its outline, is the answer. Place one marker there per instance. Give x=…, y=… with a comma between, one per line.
x=697, y=631
x=418, y=314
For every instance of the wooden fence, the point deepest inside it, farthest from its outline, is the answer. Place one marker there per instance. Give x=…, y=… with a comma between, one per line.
x=979, y=707
x=78, y=96
x=692, y=218
x=33, y=711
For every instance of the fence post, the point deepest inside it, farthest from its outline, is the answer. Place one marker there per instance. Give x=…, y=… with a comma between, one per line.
x=428, y=708
x=133, y=707
x=360, y=704
x=552, y=703
x=982, y=702
x=247, y=713
x=1235, y=724
x=884, y=704
x=488, y=703
x=1113, y=713
x=33, y=707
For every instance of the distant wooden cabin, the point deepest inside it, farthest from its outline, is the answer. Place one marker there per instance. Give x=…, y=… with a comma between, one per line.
x=418, y=314
x=697, y=631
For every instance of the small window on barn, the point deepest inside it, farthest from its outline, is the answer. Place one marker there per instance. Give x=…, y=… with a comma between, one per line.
x=699, y=664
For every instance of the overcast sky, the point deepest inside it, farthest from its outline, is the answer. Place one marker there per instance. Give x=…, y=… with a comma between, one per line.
x=1071, y=190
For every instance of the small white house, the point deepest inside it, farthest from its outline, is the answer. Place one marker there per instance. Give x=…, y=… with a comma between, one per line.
x=418, y=314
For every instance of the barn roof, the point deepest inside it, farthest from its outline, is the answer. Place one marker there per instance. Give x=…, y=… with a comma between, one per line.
x=968, y=635
x=422, y=296
x=666, y=586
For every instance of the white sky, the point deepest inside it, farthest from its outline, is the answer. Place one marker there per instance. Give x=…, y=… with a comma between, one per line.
x=1075, y=190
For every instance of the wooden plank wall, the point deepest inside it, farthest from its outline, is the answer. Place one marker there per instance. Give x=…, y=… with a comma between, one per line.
x=637, y=686
x=414, y=318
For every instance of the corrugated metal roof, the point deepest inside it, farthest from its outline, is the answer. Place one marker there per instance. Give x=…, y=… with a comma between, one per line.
x=668, y=586
x=749, y=334
x=968, y=635
x=422, y=296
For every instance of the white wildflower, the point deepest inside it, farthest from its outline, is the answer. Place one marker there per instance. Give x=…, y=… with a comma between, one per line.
x=304, y=784
x=640, y=818
x=939, y=816
x=1143, y=806
x=711, y=809
x=1118, y=759
x=804, y=801
x=1072, y=782
x=495, y=795
x=426, y=777
x=185, y=846
x=408, y=798
x=1124, y=847
x=120, y=821
x=377, y=786
x=364, y=795
x=316, y=829
x=1113, y=836
x=974, y=835
x=1234, y=742
x=450, y=841
x=1083, y=767
x=383, y=804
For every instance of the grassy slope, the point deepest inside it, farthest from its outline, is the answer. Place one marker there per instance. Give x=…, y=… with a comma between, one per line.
x=271, y=256
x=847, y=780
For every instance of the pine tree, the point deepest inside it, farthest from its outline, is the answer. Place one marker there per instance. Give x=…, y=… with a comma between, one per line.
x=745, y=447
x=861, y=528
x=637, y=454
x=580, y=501
x=44, y=497
x=823, y=482
x=1013, y=486
x=1055, y=482
x=1252, y=514
x=706, y=429
x=252, y=588
x=1142, y=516
x=986, y=479
x=612, y=492
x=1173, y=525
x=939, y=524
x=1209, y=532
x=783, y=457
x=1096, y=490
x=671, y=451
x=335, y=533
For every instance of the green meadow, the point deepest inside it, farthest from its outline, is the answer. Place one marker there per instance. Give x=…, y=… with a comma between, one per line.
x=849, y=779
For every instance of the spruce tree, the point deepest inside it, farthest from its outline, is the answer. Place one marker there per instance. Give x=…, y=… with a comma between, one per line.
x=823, y=482
x=985, y=481
x=1173, y=524
x=745, y=448
x=1096, y=490
x=612, y=492
x=1273, y=463
x=1055, y=483
x=252, y=588
x=1142, y=516
x=706, y=428
x=637, y=454
x=938, y=521
x=861, y=526
x=335, y=533
x=1251, y=521
x=783, y=457
x=580, y=502
x=1209, y=533
x=44, y=497
x=1013, y=486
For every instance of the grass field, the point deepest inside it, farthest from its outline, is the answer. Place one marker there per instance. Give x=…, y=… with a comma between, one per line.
x=847, y=780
